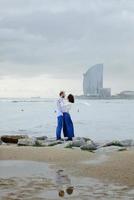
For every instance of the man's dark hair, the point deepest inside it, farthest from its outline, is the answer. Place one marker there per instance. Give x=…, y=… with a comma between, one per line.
x=62, y=92
x=61, y=193
x=70, y=98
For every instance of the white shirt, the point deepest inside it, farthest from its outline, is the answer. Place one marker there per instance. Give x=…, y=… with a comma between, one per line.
x=66, y=107
x=60, y=105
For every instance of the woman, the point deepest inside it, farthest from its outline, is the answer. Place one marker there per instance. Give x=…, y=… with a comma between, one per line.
x=68, y=127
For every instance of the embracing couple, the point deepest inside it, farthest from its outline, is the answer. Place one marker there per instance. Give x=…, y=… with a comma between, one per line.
x=63, y=117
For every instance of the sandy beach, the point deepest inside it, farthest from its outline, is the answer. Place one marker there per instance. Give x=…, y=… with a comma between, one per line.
x=117, y=168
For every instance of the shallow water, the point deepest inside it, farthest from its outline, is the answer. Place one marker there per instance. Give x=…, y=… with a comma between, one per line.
x=38, y=181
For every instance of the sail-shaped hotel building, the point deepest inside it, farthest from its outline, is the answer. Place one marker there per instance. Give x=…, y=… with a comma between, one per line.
x=93, y=82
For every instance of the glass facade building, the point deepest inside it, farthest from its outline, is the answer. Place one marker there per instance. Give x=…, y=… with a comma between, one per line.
x=93, y=81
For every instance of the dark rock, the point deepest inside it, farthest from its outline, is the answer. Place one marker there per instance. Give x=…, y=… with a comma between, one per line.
x=113, y=143
x=89, y=146
x=41, y=143
x=26, y=142
x=81, y=138
x=122, y=149
x=86, y=139
x=0, y=141
x=13, y=139
x=122, y=143
x=42, y=138
x=53, y=140
x=69, y=145
x=84, y=143
x=127, y=143
x=78, y=143
x=108, y=149
x=54, y=143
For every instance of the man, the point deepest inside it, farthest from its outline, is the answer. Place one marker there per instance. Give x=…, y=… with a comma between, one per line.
x=60, y=104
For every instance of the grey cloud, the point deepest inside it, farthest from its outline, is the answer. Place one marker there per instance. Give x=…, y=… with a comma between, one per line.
x=54, y=37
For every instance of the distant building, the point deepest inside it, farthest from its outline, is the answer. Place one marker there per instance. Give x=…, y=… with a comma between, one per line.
x=126, y=94
x=93, y=81
x=105, y=92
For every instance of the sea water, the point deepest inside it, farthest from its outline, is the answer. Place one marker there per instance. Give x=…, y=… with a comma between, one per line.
x=96, y=119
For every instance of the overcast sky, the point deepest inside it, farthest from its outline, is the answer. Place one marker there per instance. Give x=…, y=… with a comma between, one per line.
x=47, y=45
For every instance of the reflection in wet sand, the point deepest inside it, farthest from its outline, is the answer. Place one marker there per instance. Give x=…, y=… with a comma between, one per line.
x=63, y=183
x=45, y=184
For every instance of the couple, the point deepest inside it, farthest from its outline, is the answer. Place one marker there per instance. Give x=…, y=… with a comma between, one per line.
x=63, y=117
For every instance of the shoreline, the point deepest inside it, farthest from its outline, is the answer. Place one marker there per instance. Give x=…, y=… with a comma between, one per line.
x=118, y=167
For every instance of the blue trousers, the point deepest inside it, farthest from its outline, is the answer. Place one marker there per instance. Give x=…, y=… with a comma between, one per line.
x=65, y=123
x=68, y=126
x=60, y=126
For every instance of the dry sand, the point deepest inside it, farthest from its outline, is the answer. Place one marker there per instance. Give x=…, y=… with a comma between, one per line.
x=118, y=168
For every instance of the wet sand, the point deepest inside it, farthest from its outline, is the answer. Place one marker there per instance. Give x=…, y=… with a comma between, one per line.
x=117, y=168
x=38, y=181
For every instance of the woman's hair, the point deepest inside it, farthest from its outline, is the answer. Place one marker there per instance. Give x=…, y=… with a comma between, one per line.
x=70, y=98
